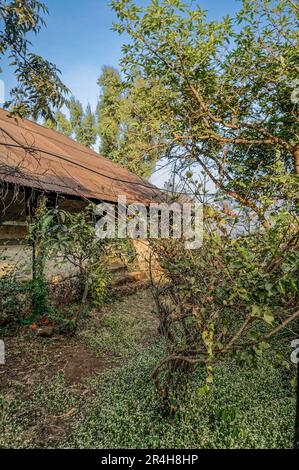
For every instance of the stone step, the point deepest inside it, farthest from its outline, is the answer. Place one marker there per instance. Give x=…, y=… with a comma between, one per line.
x=117, y=267
x=130, y=278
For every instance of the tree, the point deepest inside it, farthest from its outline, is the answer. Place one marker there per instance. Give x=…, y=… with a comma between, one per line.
x=82, y=122
x=125, y=122
x=227, y=104
x=39, y=87
x=80, y=125
x=109, y=111
x=128, y=124
x=60, y=124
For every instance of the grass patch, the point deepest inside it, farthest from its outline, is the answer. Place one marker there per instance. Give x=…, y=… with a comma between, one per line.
x=122, y=329
x=28, y=421
x=246, y=409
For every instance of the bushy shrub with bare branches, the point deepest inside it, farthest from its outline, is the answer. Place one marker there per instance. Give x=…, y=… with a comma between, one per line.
x=232, y=296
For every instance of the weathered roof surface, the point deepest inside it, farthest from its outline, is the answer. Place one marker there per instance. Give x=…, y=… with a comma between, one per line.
x=34, y=156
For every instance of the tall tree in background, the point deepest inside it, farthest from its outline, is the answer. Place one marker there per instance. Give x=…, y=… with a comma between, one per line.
x=227, y=104
x=109, y=111
x=80, y=125
x=83, y=123
x=128, y=125
x=60, y=123
x=39, y=89
x=125, y=121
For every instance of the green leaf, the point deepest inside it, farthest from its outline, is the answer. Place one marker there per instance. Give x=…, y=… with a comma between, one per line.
x=268, y=317
x=255, y=310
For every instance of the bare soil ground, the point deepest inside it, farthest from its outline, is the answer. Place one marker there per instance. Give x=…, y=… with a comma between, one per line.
x=31, y=359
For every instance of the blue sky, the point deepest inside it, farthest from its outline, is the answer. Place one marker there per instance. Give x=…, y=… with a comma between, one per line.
x=79, y=40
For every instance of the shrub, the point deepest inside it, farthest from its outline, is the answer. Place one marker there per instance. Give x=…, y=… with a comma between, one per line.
x=230, y=297
x=13, y=300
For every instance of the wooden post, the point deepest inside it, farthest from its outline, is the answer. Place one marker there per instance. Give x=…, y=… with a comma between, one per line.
x=31, y=199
